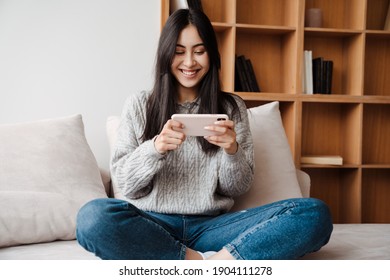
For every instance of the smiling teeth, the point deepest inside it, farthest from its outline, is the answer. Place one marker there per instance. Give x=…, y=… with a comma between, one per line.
x=188, y=73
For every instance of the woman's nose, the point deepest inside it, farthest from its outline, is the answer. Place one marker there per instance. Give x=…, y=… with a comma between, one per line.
x=189, y=60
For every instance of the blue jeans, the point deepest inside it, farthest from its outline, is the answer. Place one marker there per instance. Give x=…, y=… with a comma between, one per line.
x=288, y=229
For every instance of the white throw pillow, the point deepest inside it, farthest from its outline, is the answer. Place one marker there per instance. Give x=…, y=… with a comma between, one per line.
x=47, y=172
x=275, y=174
x=112, y=126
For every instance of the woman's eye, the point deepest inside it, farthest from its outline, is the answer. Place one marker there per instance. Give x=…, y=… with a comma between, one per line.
x=179, y=52
x=200, y=52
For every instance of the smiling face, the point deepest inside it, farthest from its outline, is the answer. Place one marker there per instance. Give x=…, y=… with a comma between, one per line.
x=190, y=63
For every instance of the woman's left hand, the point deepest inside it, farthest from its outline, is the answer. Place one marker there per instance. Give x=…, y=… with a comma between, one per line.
x=227, y=137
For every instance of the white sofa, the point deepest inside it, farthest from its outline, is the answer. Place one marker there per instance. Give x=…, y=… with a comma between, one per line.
x=47, y=172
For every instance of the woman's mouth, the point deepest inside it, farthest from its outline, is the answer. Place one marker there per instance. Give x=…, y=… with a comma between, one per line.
x=189, y=73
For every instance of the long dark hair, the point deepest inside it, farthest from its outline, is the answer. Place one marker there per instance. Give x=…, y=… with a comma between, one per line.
x=162, y=102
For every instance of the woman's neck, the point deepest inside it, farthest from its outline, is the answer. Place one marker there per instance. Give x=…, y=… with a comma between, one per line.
x=186, y=95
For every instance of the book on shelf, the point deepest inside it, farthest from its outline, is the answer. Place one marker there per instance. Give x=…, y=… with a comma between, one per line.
x=319, y=159
x=237, y=79
x=252, y=76
x=328, y=72
x=322, y=75
x=317, y=74
x=241, y=79
x=307, y=75
x=245, y=77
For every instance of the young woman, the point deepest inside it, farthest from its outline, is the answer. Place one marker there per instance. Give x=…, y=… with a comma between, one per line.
x=179, y=188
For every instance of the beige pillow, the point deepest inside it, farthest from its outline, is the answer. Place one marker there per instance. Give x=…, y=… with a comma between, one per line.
x=47, y=172
x=275, y=174
x=112, y=126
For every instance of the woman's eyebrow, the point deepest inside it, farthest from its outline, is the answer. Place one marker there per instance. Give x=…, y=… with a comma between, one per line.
x=194, y=46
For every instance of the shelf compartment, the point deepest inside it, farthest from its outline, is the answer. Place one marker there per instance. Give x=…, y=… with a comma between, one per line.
x=338, y=14
x=376, y=14
x=340, y=189
x=377, y=65
x=225, y=39
x=346, y=52
x=332, y=129
x=376, y=134
x=219, y=10
x=278, y=50
x=268, y=12
x=375, y=196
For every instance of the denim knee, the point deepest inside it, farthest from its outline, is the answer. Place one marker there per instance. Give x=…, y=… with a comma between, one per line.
x=92, y=218
x=321, y=220
x=324, y=215
x=292, y=228
x=115, y=229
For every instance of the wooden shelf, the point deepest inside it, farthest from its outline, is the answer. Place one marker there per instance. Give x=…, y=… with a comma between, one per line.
x=375, y=195
x=267, y=12
x=376, y=134
x=331, y=32
x=264, y=29
x=377, y=65
x=340, y=189
x=352, y=122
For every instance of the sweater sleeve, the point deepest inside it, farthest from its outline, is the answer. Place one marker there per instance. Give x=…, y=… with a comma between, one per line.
x=236, y=171
x=133, y=163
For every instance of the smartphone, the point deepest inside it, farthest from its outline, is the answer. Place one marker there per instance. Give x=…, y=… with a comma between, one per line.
x=194, y=124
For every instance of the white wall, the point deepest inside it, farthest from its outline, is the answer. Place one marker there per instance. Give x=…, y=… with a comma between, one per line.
x=63, y=57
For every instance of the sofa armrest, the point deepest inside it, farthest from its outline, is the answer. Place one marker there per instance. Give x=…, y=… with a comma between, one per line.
x=106, y=179
x=304, y=182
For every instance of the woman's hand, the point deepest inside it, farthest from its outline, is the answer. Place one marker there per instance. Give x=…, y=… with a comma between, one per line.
x=227, y=139
x=169, y=139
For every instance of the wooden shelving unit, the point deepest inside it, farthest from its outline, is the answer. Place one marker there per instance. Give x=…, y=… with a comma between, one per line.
x=353, y=121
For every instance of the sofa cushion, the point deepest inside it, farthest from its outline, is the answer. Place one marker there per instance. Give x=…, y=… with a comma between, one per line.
x=112, y=126
x=47, y=172
x=275, y=173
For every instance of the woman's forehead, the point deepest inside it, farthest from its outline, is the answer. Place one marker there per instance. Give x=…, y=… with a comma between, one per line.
x=189, y=37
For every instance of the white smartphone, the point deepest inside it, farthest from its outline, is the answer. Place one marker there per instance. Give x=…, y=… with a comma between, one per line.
x=194, y=124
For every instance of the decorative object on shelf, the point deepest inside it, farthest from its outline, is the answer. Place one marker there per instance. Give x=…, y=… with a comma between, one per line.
x=326, y=160
x=184, y=4
x=387, y=22
x=245, y=77
x=322, y=75
x=195, y=4
x=313, y=17
x=177, y=5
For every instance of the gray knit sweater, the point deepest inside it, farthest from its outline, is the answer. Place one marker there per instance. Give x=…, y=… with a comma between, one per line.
x=184, y=181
